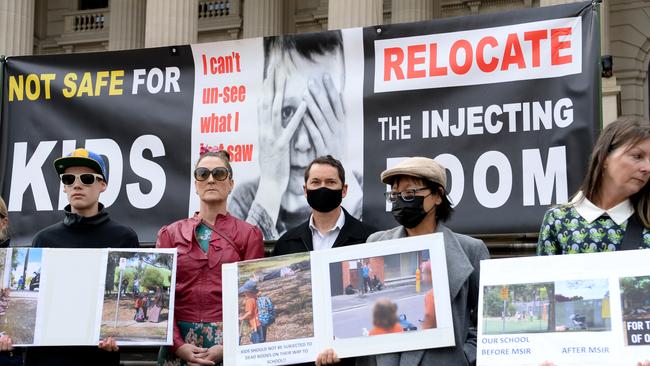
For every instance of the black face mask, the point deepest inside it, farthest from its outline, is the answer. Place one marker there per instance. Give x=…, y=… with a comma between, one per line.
x=409, y=213
x=324, y=199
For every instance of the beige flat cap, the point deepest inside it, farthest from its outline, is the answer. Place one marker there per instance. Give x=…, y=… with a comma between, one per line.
x=420, y=167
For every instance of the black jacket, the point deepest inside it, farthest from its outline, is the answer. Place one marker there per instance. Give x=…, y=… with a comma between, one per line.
x=76, y=231
x=299, y=239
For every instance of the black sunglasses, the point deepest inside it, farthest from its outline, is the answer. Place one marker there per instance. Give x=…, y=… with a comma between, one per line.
x=85, y=178
x=218, y=173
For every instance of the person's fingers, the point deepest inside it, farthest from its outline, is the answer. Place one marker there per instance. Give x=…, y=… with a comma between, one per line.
x=317, y=90
x=278, y=100
x=334, y=96
x=332, y=357
x=114, y=346
x=108, y=344
x=201, y=354
x=316, y=135
x=315, y=112
x=327, y=357
x=267, y=90
x=196, y=349
x=288, y=132
x=6, y=343
x=320, y=359
x=200, y=361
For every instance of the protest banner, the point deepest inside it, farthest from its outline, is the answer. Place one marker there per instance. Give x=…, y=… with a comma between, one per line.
x=508, y=102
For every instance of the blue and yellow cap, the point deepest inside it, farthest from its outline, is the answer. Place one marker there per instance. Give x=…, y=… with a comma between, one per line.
x=82, y=157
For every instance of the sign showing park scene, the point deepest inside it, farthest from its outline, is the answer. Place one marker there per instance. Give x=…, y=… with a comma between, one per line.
x=589, y=309
x=372, y=298
x=20, y=274
x=48, y=297
x=562, y=306
x=137, y=294
x=516, y=308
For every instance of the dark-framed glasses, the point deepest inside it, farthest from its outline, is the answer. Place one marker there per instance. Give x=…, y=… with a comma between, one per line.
x=218, y=173
x=84, y=178
x=407, y=195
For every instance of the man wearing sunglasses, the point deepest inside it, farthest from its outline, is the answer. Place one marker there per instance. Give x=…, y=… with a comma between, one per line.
x=86, y=225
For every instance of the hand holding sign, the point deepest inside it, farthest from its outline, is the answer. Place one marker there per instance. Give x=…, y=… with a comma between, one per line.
x=6, y=343
x=109, y=345
x=327, y=357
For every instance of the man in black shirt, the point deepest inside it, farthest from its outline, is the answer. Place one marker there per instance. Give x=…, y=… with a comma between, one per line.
x=86, y=225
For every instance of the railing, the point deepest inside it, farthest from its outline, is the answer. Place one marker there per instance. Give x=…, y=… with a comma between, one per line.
x=86, y=21
x=212, y=9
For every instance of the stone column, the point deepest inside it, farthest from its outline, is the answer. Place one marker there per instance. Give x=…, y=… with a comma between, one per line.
x=16, y=27
x=126, y=28
x=411, y=10
x=354, y=13
x=263, y=18
x=171, y=22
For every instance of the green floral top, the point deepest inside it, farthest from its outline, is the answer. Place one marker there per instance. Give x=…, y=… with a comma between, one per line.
x=564, y=231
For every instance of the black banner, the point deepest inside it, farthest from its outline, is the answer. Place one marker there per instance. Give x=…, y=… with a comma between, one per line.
x=508, y=102
x=495, y=177
x=132, y=107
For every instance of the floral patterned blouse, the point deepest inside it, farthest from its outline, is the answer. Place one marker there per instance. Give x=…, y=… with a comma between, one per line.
x=564, y=231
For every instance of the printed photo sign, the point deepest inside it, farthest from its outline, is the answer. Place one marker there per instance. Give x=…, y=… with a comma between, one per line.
x=126, y=294
x=571, y=310
x=364, y=299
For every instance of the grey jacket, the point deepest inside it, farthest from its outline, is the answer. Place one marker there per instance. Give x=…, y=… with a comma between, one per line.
x=464, y=254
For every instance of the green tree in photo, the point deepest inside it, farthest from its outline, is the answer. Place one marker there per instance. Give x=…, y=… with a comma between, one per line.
x=635, y=291
x=152, y=277
x=492, y=303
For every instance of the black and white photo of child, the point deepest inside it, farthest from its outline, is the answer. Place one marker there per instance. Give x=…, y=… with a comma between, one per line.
x=299, y=117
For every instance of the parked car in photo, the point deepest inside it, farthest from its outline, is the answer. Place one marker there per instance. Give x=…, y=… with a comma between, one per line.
x=35, y=283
